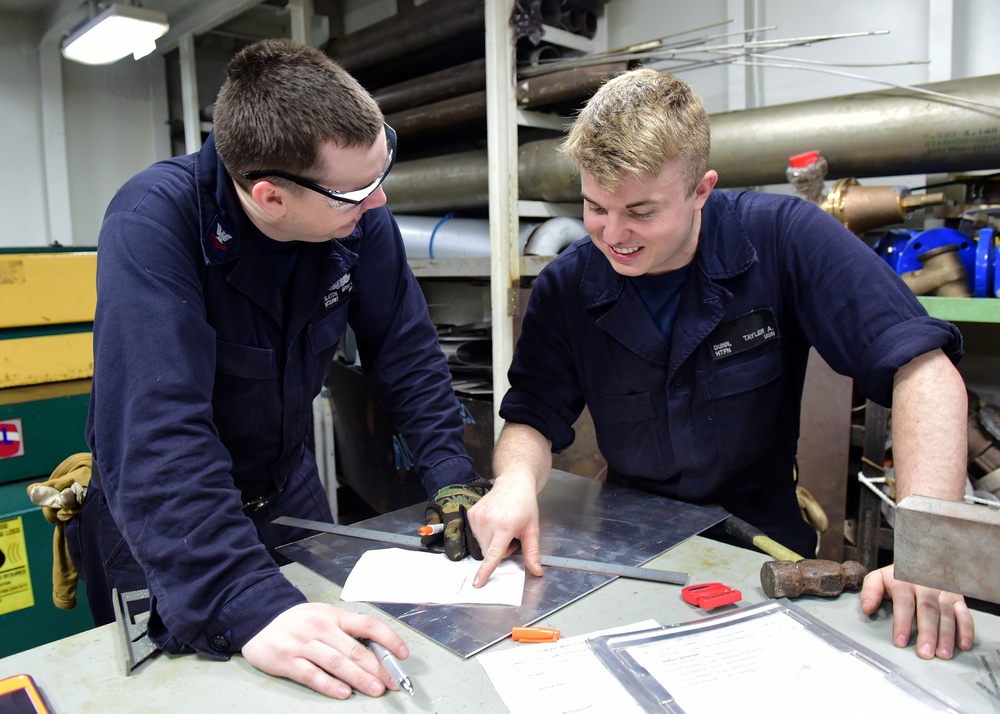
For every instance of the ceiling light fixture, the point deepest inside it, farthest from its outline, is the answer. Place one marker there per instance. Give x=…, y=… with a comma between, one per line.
x=117, y=31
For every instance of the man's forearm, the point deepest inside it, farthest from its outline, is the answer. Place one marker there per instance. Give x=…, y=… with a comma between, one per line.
x=523, y=450
x=930, y=428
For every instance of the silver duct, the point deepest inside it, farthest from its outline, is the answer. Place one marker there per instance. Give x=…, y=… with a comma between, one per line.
x=886, y=133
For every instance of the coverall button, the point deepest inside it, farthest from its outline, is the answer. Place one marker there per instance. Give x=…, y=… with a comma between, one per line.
x=219, y=643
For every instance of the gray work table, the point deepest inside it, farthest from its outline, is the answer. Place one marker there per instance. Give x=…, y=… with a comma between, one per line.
x=83, y=673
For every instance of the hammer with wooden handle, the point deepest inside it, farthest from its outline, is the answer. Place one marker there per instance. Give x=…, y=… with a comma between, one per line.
x=792, y=575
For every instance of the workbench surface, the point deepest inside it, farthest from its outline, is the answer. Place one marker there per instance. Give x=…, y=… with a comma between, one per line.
x=84, y=673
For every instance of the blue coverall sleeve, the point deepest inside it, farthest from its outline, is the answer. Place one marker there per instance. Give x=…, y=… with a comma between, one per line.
x=861, y=317
x=543, y=361
x=402, y=359
x=165, y=472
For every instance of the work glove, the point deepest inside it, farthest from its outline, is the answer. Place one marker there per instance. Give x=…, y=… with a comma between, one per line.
x=449, y=507
x=812, y=511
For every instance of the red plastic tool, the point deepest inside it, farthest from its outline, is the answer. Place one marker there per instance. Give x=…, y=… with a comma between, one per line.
x=708, y=596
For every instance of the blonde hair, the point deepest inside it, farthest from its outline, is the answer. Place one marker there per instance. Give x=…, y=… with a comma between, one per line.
x=636, y=123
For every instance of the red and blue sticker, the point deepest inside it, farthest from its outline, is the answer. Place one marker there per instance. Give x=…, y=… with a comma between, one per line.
x=217, y=240
x=11, y=440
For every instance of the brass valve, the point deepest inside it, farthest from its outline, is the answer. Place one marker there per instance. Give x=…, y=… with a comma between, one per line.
x=862, y=208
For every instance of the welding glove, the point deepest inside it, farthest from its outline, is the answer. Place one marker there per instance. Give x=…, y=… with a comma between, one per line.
x=61, y=498
x=449, y=507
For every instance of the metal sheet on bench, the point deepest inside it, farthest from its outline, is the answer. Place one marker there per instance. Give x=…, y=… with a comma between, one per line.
x=580, y=517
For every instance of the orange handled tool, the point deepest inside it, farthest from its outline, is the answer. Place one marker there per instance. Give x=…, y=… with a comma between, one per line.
x=534, y=634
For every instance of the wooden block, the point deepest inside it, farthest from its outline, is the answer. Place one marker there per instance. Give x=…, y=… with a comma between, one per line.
x=949, y=545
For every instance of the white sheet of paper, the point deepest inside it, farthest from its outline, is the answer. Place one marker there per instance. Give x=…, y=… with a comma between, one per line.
x=564, y=676
x=404, y=576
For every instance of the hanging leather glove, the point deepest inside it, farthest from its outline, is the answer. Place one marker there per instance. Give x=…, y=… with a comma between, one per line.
x=449, y=507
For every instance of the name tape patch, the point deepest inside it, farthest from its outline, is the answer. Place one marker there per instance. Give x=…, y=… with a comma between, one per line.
x=743, y=334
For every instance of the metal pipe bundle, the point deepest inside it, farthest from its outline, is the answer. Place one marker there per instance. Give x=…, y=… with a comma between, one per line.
x=885, y=133
x=451, y=82
x=424, y=114
x=394, y=37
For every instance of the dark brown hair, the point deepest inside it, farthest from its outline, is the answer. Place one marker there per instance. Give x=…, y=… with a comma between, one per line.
x=281, y=101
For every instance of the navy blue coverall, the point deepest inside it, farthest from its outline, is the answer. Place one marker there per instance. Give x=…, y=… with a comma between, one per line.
x=204, y=377
x=713, y=416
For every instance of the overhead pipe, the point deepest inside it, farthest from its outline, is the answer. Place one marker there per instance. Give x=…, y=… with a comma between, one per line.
x=892, y=132
x=438, y=115
x=436, y=237
x=565, y=85
x=394, y=37
x=448, y=237
x=422, y=62
x=451, y=82
x=554, y=236
x=561, y=86
x=459, y=181
x=452, y=182
x=886, y=133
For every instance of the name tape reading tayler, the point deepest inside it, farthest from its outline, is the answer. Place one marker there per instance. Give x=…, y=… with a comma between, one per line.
x=744, y=333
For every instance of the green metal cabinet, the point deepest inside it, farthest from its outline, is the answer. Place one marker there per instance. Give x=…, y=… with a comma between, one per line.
x=39, y=427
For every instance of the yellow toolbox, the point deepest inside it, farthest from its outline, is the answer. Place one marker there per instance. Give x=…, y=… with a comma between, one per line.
x=47, y=302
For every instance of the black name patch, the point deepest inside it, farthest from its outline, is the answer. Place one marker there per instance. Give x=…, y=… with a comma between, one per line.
x=742, y=334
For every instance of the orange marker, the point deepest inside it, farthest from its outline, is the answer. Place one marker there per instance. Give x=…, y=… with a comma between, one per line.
x=534, y=634
x=431, y=529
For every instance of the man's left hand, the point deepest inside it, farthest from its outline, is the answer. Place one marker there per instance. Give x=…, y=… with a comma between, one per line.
x=449, y=507
x=943, y=619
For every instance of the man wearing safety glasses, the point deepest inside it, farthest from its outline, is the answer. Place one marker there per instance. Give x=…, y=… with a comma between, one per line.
x=225, y=281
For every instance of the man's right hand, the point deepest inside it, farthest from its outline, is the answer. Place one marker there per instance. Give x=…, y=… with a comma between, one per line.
x=507, y=513
x=315, y=644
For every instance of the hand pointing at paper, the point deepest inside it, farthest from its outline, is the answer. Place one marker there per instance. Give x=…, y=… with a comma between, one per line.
x=522, y=461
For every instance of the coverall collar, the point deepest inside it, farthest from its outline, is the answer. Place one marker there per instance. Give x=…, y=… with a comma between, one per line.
x=223, y=240
x=724, y=252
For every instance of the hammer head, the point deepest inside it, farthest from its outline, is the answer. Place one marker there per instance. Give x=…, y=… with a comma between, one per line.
x=825, y=578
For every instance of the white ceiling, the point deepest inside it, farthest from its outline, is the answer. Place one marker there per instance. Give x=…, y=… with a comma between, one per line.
x=28, y=6
x=55, y=7
x=186, y=16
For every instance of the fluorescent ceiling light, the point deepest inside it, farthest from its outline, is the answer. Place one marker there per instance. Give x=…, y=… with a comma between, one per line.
x=118, y=31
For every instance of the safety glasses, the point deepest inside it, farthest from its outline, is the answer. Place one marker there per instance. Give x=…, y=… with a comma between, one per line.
x=352, y=197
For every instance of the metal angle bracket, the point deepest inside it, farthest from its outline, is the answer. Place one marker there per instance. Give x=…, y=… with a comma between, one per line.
x=132, y=618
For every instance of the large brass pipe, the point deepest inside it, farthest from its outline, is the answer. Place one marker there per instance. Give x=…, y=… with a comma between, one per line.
x=887, y=133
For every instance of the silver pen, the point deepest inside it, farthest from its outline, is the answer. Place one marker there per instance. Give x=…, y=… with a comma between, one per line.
x=391, y=665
